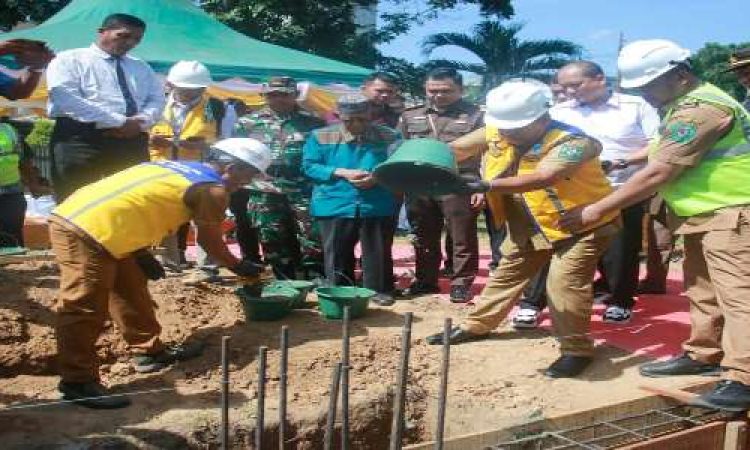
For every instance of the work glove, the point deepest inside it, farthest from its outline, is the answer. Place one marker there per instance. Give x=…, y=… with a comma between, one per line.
x=247, y=268
x=150, y=266
x=474, y=184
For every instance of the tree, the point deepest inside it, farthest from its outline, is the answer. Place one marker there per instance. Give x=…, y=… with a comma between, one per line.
x=15, y=11
x=327, y=28
x=710, y=62
x=504, y=55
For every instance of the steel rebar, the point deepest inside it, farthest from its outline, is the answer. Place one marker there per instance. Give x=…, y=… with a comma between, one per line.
x=399, y=400
x=345, y=379
x=333, y=401
x=260, y=412
x=443, y=393
x=225, y=392
x=283, y=384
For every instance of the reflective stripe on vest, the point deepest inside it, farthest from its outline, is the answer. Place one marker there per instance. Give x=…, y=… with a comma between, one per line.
x=586, y=185
x=197, y=125
x=137, y=207
x=722, y=178
x=9, y=157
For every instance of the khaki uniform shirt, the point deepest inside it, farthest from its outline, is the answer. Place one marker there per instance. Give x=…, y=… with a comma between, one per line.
x=711, y=123
x=448, y=125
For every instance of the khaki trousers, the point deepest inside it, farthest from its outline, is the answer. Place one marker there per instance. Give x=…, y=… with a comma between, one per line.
x=91, y=283
x=717, y=278
x=571, y=273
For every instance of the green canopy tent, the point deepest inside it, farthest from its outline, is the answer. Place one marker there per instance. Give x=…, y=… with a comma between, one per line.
x=178, y=30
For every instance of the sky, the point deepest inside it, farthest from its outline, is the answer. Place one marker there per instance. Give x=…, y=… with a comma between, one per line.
x=594, y=24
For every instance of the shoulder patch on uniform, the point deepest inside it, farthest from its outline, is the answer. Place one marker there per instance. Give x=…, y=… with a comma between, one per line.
x=572, y=151
x=681, y=131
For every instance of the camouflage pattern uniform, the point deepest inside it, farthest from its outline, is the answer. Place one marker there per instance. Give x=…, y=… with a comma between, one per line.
x=279, y=208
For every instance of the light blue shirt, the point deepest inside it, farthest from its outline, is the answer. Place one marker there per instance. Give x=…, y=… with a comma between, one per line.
x=82, y=85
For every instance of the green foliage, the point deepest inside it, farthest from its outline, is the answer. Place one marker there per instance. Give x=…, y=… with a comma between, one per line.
x=327, y=28
x=40, y=134
x=710, y=62
x=15, y=11
x=410, y=76
x=504, y=55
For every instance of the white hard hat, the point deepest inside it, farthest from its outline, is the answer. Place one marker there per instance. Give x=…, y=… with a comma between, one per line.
x=248, y=150
x=641, y=62
x=517, y=103
x=189, y=74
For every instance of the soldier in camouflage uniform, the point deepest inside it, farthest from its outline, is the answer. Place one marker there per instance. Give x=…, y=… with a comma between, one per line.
x=279, y=208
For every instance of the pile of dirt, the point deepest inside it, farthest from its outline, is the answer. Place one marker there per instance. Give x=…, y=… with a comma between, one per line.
x=493, y=383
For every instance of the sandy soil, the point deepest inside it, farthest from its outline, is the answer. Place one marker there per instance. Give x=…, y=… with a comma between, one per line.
x=493, y=383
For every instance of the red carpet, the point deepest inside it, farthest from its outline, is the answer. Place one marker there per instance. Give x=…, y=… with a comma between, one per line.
x=660, y=322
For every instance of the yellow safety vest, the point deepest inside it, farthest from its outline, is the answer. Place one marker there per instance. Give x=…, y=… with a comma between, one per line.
x=586, y=185
x=137, y=207
x=9, y=157
x=198, y=123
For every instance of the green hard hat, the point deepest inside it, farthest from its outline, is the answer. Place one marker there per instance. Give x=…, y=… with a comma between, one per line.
x=421, y=167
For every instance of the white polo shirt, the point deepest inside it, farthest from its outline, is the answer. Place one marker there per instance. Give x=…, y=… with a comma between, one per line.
x=623, y=124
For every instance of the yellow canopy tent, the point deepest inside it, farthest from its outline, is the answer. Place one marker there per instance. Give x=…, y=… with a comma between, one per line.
x=318, y=99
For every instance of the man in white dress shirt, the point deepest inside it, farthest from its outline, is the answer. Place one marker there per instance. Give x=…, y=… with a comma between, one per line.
x=624, y=124
x=103, y=101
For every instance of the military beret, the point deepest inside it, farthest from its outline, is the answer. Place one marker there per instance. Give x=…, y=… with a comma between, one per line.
x=281, y=84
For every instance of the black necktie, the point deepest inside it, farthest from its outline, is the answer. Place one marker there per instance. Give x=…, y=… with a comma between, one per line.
x=130, y=106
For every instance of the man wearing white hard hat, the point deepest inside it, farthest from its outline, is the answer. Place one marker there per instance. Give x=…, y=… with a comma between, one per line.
x=187, y=125
x=700, y=164
x=535, y=170
x=100, y=235
x=186, y=129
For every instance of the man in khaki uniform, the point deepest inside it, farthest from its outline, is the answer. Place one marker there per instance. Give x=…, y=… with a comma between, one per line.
x=446, y=117
x=535, y=170
x=700, y=164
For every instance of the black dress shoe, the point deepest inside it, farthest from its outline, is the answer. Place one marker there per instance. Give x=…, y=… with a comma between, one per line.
x=91, y=395
x=418, y=288
x=568, y=366
x=460, y=294
x=680, y=365
x=728, y=396
x=456, y=336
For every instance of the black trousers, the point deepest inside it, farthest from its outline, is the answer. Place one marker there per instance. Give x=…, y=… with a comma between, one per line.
x=620, y=263
x=535, y=294
x=427, y=216
x=247, y=236
x=12, y=213
x=82, y=155
x=497, y=236
x=374, y=234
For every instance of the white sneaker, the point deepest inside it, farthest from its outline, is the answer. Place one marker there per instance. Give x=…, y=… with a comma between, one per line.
x=617, y=314
x=526, y=318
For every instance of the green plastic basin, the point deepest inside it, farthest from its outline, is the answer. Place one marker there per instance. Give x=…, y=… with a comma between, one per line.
x=332, y=300
x=421, y=167
x=302, y=286
x=274, y=303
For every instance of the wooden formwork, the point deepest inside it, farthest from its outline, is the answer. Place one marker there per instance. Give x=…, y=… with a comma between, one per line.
x=587, y=425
